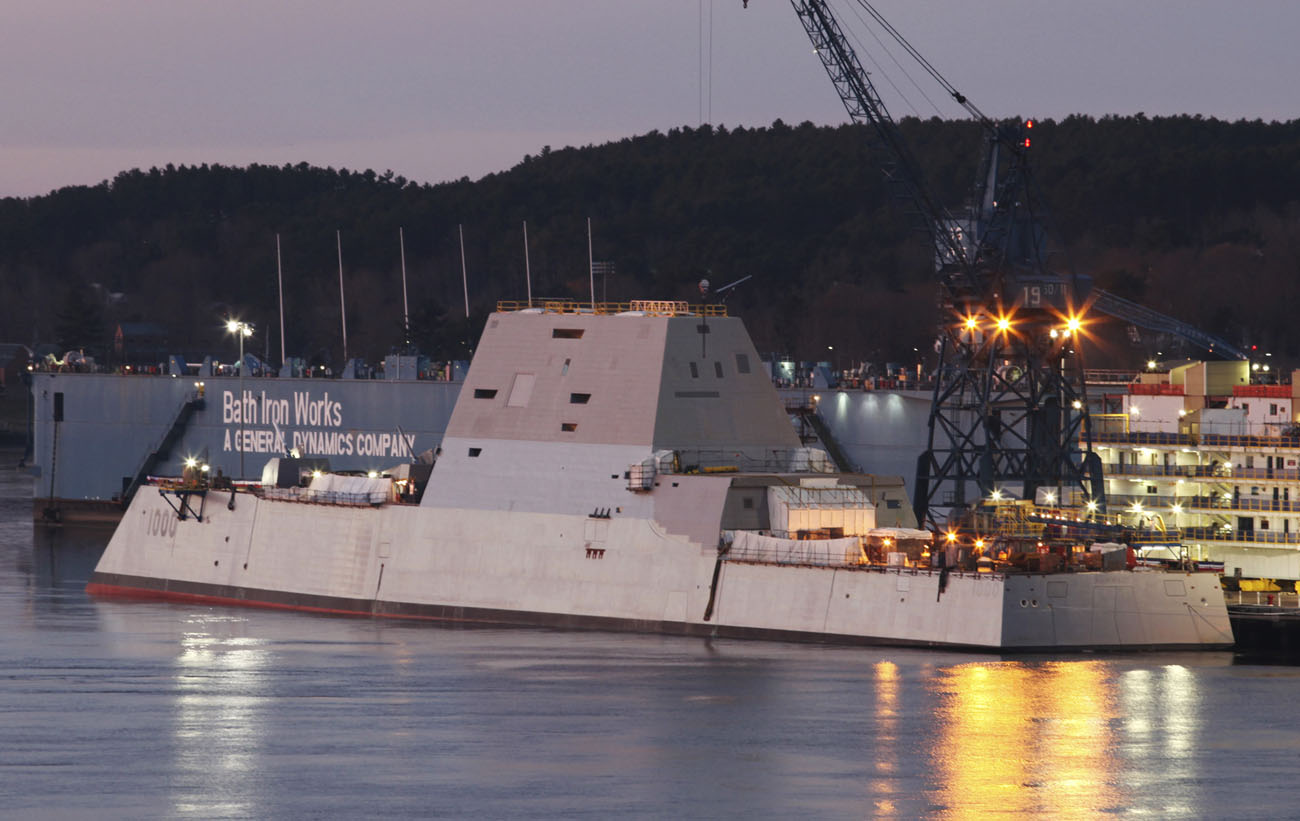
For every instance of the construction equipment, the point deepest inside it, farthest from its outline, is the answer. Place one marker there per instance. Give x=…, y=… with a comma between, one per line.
x=1009, y=407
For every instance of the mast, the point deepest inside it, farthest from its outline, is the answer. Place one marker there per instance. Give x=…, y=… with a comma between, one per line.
x=279, y=275
x=464, y=280
x=406, y=311
x=528, y=275
x=591, y=266
x=343, y=306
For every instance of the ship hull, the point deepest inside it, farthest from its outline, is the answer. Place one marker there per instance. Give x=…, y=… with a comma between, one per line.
x=477, y=567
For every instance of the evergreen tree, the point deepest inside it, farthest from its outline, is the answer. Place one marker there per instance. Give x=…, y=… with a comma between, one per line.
x=79, y=324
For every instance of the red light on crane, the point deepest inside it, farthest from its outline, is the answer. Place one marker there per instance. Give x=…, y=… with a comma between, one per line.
x=1029, y=123
x=1026, y=142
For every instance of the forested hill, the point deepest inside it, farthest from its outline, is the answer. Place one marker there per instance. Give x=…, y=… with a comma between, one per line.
x=1198, y=218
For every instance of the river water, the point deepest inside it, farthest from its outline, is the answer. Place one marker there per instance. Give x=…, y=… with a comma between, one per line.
x=115, y=709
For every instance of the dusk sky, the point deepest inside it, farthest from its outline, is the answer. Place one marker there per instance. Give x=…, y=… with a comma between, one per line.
x=437, y=90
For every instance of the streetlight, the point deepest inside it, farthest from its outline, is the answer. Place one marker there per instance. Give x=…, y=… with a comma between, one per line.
x=240, y=330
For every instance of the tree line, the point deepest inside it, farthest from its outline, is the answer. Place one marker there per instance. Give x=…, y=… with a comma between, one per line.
x=1195, y=217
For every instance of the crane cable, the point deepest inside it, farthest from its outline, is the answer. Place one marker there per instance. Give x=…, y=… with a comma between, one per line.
x=705, y=91
x=925, y=64
x=870, y=55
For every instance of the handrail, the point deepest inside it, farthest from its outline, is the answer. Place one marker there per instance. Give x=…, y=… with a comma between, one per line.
x=654, y=307
x=324, y=497
x=1103, y=436
x=1221, y=441
x=1263, y=598
x=1206, y=501
x=1266, y=537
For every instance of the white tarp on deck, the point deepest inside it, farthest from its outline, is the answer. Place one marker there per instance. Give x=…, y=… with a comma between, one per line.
x=810, y=460
x=813, y=505
x=746, y=544
x=899, y=534
x=352, y=488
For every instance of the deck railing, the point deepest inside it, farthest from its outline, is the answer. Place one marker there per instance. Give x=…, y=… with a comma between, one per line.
x=655, y=307
x=323, y=497
x=1263, y=598
x=1260, y=537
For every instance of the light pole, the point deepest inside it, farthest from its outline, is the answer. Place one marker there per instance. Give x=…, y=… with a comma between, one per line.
x=240, y=330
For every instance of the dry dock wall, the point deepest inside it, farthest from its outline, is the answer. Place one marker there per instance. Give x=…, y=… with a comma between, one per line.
x=881, y=432
x=111, y=423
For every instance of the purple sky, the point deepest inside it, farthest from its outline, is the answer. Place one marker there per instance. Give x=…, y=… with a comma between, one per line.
x=438, y=90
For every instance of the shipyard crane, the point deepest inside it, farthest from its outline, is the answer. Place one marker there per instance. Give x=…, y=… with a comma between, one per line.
x=1009, y=407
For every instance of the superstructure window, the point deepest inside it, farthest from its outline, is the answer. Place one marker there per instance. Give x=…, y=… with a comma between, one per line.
x=474, y=452
x=579, y=398
x=566, y=333
x=485, y=393
x=695, y=371
x=742, y=363
x=717, y=369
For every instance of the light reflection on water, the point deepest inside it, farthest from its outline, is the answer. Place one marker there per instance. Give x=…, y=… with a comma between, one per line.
x=1026, y=738
x=121, y=709
x=220, y=693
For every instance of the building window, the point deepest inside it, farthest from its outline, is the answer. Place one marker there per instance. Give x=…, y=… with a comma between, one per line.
x=717, y=369
x=566, y=333
x=579, y=398
x=568, y=427
x=485, y=393
x=695, y=371
x=747, y=503
x=474, y=452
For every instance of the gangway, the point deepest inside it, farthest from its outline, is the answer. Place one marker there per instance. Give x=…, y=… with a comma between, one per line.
x=193, y=402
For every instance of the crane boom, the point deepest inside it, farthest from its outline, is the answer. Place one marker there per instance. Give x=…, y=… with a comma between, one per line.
x=864, y=106
x=1144, y=317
